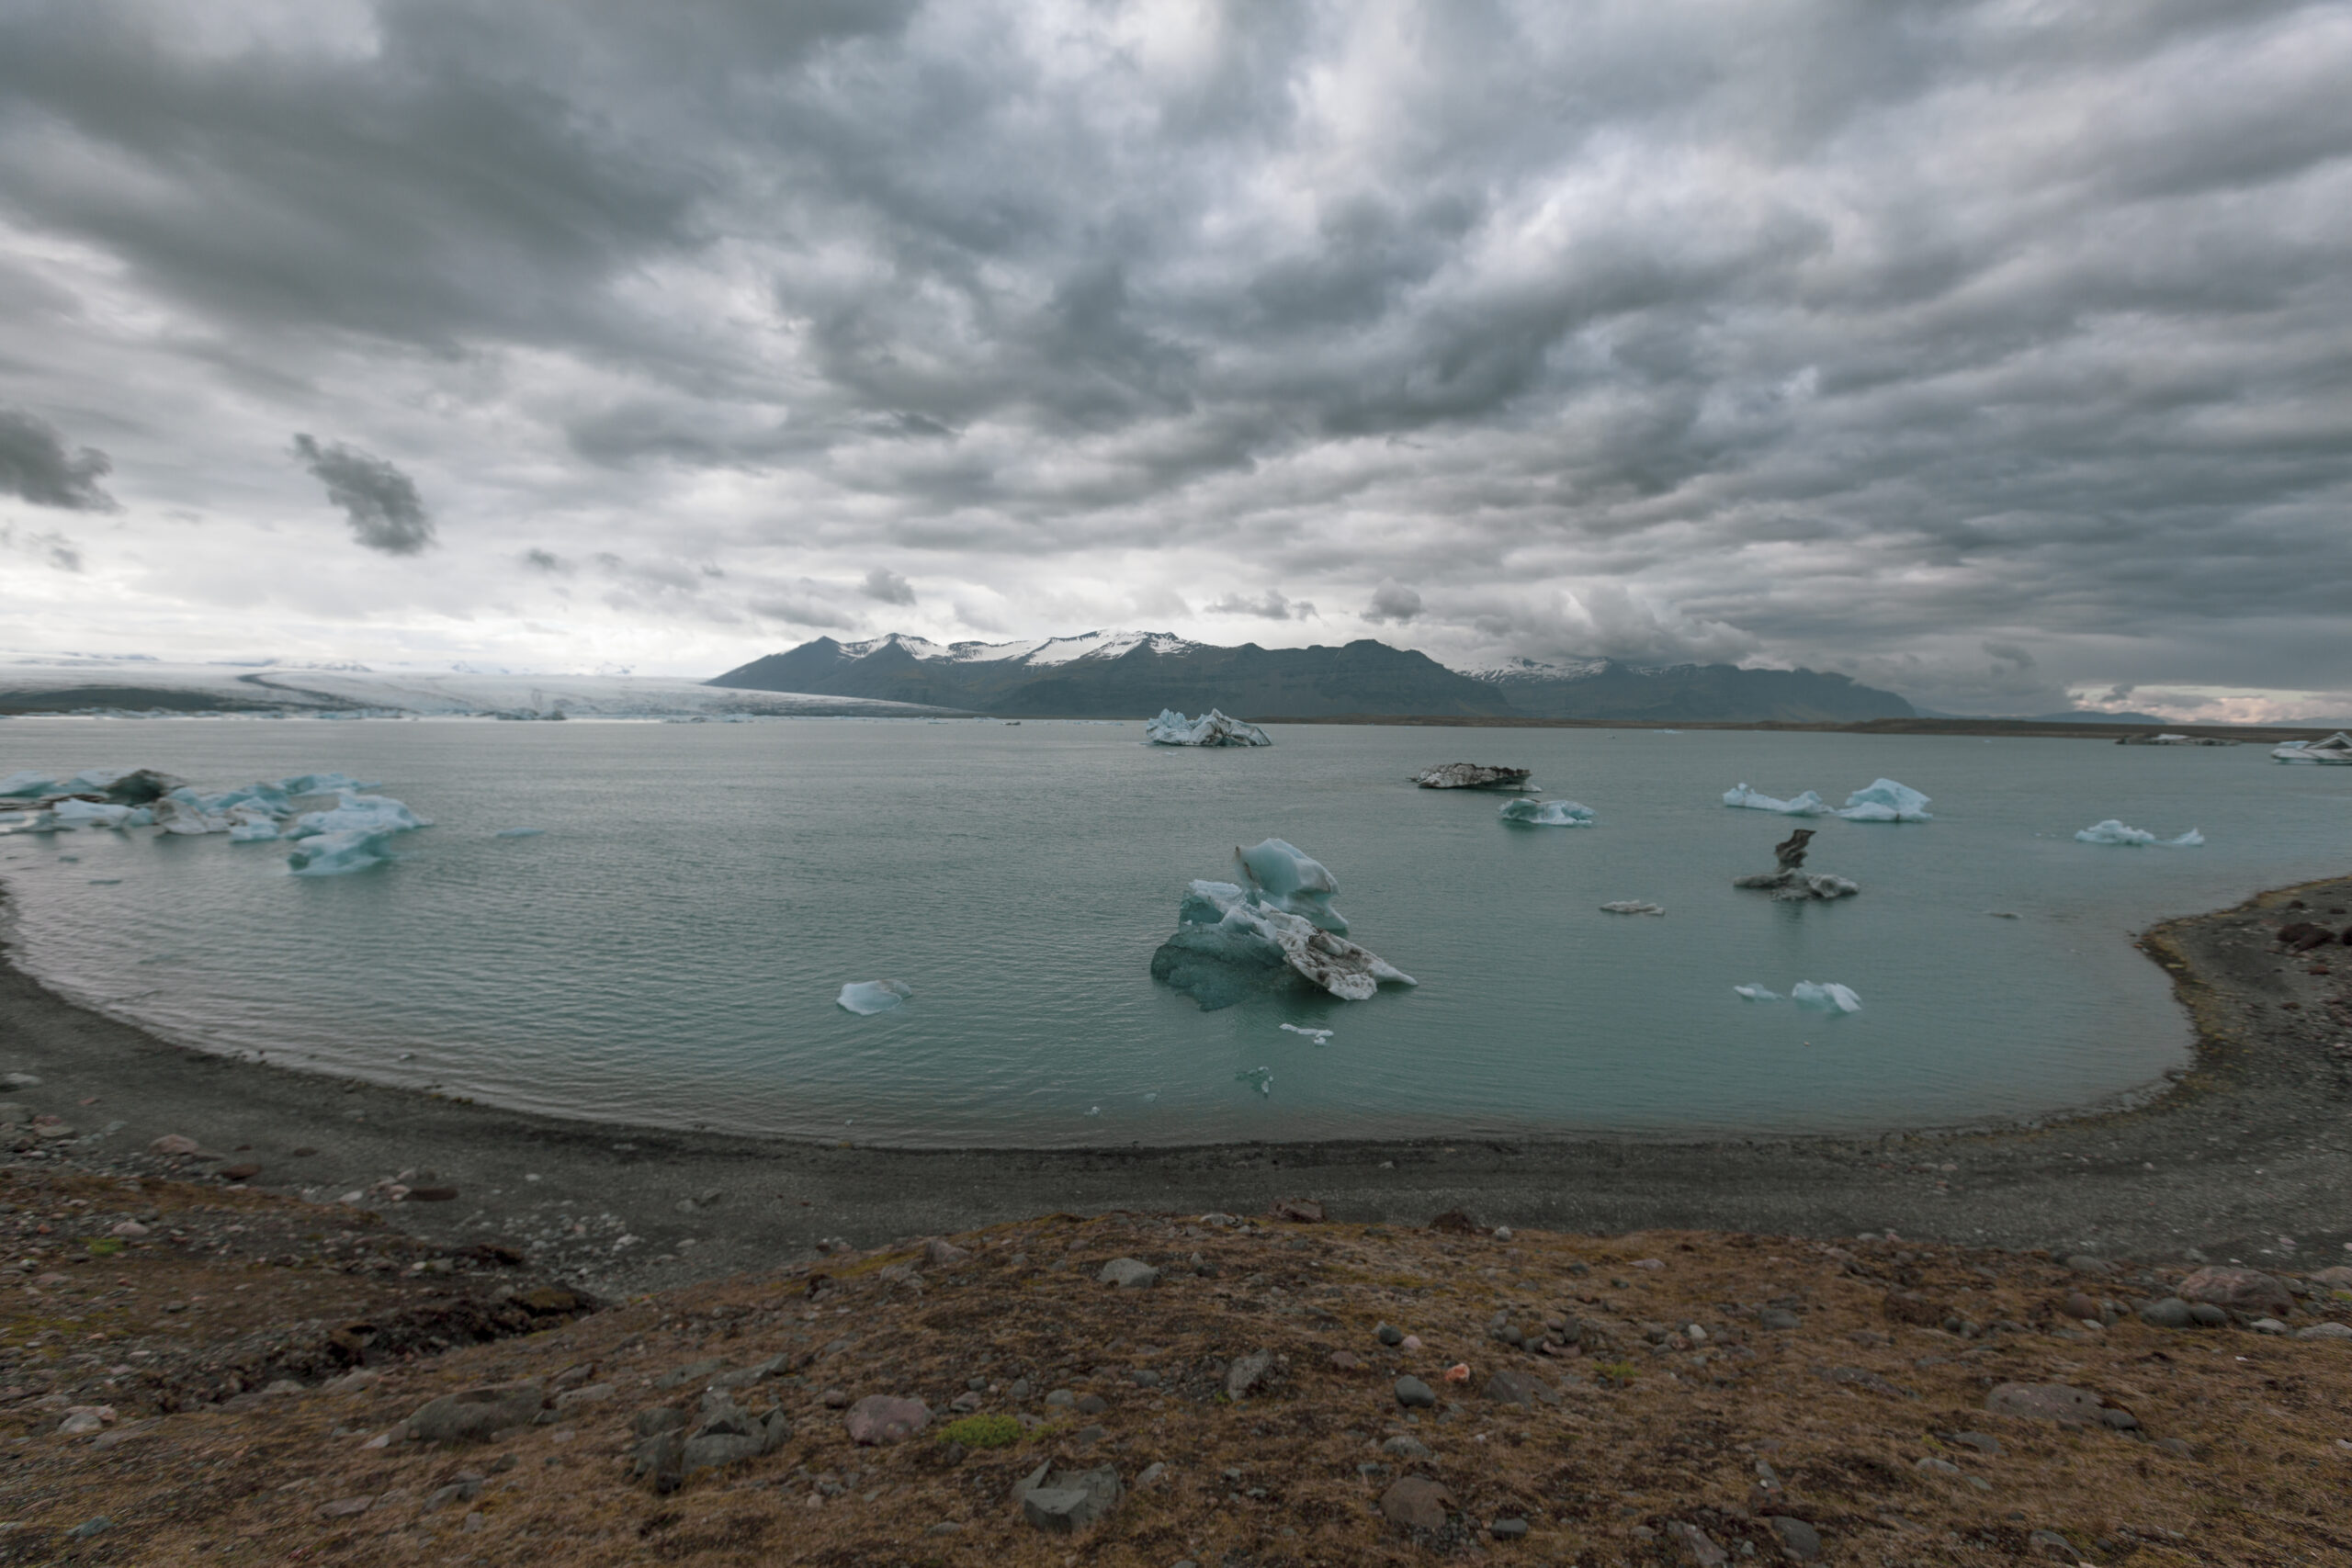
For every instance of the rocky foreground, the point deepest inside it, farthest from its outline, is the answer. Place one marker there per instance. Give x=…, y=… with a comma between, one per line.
x=248, y=1378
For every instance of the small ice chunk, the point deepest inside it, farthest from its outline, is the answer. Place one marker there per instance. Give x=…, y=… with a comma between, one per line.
x=867, y=997
x=320, y=783
x=1317, y=1035
x=370, y=813
x=1806, y=805
x=341, y=852
x=182, y=811
x=1883, y=800
x=1633, y=907
x=1757, y=993
x=2114, y=832
x=1282, y=876
x=518, y=832
x=1547, y=813
x=1262, y=1077
x=1212, y=728
x=80, y=813
x=259, y=832
x=1824, y=997
x=26, y=784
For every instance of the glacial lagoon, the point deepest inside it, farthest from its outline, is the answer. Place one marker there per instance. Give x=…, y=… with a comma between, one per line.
x=668, y=943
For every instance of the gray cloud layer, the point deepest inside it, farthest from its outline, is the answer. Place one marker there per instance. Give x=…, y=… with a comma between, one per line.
x=37, y=466
x=1906, y=339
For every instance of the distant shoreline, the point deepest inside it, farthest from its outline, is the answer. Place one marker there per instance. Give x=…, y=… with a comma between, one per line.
x=2267, y=735
x=2249, y=1142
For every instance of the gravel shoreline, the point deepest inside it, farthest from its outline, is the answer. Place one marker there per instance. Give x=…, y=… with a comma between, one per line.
x=2243, y=1157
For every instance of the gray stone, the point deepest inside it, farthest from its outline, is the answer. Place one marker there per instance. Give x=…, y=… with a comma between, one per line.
x=2044, y=1402
x=1092, y=1405
x=1067, y=1501
x=1144, y=1377
x=1407, y=1448
x=2169, y=1313
x=1388, y=1334
x=1798, y=1539
x=1983, y=1442
x=2267, y=1326
x=465, y=1489
x=90, y=1527
x=2084, y=1263
x=1697, y=1545
x=2248, y=1290
x=1933, y=1466
x=1780, y=1317
x=1514, y=1387
x=2205, y=1315
x=879, y=1418
x=692, y=1371
x=1248, y=1373
x=1508, y=1529
x=2175, y=1446
x=2327, y=1331
x=758, y=1371
x=1128, y=1274
x=1417, y=1503
x=473, y=1415
x=1062, y=1399
x=1414, y=1394
x=2049, y=1543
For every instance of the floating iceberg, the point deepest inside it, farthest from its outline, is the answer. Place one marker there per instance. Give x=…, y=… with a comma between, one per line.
x=1473, y=775
x=1262, y=1077
x=1806, y=804
x=1547, y=813
x=1212, y=728
x=867, y=997
x=2335, y=751
x=1633, y=907
x=1824, y=997
x=1317, y=1035
x=1757, y=993
x=1886, y=801
x=357, y=812
x=261, y=832
x=26, y=785
x=341, y=852
x=75, y=813
x=1284, y=877
x=2114, y=832
x=182, y=811
x=1231, y=941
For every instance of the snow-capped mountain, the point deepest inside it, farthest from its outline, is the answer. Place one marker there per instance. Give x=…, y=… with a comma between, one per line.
x=1125, y=674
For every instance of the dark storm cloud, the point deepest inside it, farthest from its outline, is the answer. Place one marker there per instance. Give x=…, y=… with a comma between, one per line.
x=381, y=503
x=37, y=466
x=1877, y=336
x=1267, y=606
x=888, y=586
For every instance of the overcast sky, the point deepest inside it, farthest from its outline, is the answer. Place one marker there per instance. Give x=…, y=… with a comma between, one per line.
x=1994, y=352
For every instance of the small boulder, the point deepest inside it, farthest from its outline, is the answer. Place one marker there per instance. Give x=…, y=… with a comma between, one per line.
x=941, y=1254
x=1128, y=1274
x=1249, y=1373
x=346, y=1507
x=174, y=1145
x=2049, y=1543
x=1779, y=1318
x=1068, y=1502
x=1514, y=1387
x=1697, y=1545
x=1910, y=1306
x=2057, y=1402
x=879, y=1418
x=1508, y=1529
x=1798, y=1539
x=1301, y=1211
x=1414, y=1394
x=2336, y=1277
x=475, y=1415
x=2169, y=1313
x=1417, y=1503
x=2247, y=1291
x=2335, y=1331
x=2084, y=1263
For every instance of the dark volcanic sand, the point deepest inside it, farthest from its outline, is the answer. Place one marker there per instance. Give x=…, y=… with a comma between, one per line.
x=2249, y=1148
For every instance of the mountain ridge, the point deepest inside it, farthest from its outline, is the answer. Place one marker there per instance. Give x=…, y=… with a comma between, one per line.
x=1119, y=674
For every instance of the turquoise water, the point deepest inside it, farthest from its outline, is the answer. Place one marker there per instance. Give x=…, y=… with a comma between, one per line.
x=669, y=949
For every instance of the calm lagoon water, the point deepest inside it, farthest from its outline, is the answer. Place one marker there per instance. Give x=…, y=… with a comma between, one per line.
x=668, y=949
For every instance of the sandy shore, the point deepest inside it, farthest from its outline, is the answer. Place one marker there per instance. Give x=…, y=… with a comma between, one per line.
x=2247, y=1152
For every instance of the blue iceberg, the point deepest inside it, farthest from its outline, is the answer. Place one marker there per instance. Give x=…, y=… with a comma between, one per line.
x=1212, y=728
x=1886, y=801
x=867, y=997
x=1547, y=813
x=2114, y=832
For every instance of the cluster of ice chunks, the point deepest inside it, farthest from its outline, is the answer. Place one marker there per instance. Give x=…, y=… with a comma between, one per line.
x=1881, y=800
x=1212, y=728
x=1232, y=939
x=2114, y=832
x=1547, y=813
x=351, y=835
x=1820, y=996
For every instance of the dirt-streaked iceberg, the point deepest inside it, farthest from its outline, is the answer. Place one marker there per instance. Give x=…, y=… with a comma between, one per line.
x=1212, y=728
x=1232, y=939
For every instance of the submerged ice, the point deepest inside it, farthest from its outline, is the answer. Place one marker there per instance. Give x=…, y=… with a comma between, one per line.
x=1212, y=728
x=1547, y=813
x=1265, y=931
x=1806, y=804
x=2114, y=832
x=1819, y=996
x=867, y=997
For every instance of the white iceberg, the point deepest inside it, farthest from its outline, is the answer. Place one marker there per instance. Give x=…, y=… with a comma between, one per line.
x=341, y=852
x=182, y=811
x=2114, y=832
x=1317, y=1035
x=1886, y=801
x=2335, y=751
x=72, y=813
x=357, y=812
x=1633, y=907
x=1212, y=728
x=1547, y=813
x=262, y=832
x=1806, y=805
x=1824, y=997
x=26, y=784
x=867, y=997
x=1757, y=993
x=1231, y=941
x=1282, y=876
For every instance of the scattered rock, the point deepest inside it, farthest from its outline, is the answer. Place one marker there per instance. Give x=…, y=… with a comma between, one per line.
x=1346, y=1361
x=2176, y=1447
x=2084, y=1263
x=2247, y=1291
x=942, y=1254
x=1508, y=1529
x=1454, y=1221
x=2057, y=1402
x=1983, y=1442
x=174, y=1145
x=1697, y=1545
x=1248, y=1373
x=1303, y=1211
x=2337, y=1276
x=346, y=1507
x=1417, y=1503
x=880, y=1418
x=1388, y=1334
x=474, y=1414
x=2049, y=1543
x=244, y=1170
x=1514, y=1387
x=1798, y=1539
x=465, y=1489
x=1128, y=1274
x=90, y=1527
x=1408, y=1448
x=2169, y=1313
x=1779, y=1318
x=2339, y=1331
x=1414, y=1394
x=1910, y=1306
x=1064, y=1502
